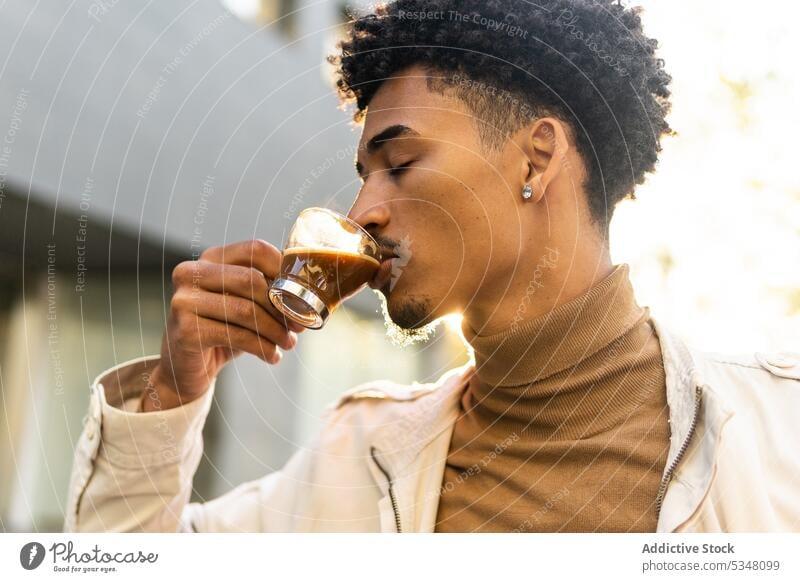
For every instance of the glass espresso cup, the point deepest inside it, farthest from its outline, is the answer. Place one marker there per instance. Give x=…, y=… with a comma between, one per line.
x=327, y=259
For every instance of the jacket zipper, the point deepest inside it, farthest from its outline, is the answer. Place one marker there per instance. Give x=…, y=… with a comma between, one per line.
x=391, y=490
x=662, y=489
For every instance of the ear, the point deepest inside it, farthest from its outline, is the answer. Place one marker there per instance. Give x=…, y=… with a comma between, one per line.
x=545, y=148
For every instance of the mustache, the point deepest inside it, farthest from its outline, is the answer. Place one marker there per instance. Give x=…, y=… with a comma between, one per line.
x=386, y=243
x=395, y=249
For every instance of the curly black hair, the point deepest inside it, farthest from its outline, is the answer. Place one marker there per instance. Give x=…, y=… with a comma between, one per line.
x=586, y=62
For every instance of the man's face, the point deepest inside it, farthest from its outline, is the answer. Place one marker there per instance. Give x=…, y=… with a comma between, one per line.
x=451, y=210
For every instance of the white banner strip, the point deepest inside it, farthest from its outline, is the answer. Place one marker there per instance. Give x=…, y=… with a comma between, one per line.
x=381, y=558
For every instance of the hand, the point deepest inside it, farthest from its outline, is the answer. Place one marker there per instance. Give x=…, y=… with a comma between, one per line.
x=219, y=310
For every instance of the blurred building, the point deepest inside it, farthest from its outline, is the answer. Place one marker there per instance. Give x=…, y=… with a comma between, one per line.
x=133, y=136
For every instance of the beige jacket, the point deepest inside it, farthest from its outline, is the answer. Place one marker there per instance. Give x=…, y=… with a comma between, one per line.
x=377, y=464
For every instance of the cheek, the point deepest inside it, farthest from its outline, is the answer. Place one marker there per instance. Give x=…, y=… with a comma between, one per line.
x=436, y=260
x=475, y=194
x=454, y=210
x=458, y=219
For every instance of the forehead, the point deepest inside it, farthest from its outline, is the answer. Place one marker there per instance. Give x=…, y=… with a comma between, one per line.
x=406, y=100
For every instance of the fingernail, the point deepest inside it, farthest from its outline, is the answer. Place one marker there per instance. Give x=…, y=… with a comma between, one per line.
x=292, y=339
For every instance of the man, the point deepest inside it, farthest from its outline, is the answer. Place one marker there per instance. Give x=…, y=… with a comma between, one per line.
x=498, y=137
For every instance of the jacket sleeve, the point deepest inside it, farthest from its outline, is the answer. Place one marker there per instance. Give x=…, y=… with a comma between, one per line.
x=132, y=471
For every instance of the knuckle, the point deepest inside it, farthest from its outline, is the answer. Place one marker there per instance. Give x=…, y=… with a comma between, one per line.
x=185, y=328
x=256, y=277
x=235, y=278
x=270, y=256
x=210, y=251
x=178, y=302
x=242, y=277
x=180, y=272
x=239, y=310
x=262, y=246
x=184, y=300
x=184, y=321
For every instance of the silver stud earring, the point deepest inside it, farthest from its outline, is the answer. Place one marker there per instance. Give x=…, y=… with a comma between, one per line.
x=527, y=192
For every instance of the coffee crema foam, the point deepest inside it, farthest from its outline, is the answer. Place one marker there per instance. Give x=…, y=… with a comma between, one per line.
x=325, y=251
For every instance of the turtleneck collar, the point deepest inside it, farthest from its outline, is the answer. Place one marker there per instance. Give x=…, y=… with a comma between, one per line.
x=566, y=373
x=538, y=348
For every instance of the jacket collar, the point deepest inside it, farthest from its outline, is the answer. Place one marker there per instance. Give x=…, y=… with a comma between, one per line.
x=686, y=377
x=399, y=444
x=682, y=379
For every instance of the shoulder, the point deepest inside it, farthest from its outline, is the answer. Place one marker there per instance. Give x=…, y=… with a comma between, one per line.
x=781, y=364
x=376, y=403
x=761, y=390
x=358, y=414
x=774, y=366
x=382, y=391
x=777, y=365
x=388, y=392
x=768, y=379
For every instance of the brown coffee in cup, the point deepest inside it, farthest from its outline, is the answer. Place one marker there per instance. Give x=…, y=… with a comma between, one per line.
x=327, y=258
x=333, y=275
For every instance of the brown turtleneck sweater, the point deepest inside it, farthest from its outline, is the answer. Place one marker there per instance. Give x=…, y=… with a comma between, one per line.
x=564, y=425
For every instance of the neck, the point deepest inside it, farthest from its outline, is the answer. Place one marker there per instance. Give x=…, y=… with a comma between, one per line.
x=541, y=346
x=554, y=363
x=540, y=284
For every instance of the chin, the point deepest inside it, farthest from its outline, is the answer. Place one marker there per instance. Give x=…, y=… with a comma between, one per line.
x=408, y=311
x=409, y=319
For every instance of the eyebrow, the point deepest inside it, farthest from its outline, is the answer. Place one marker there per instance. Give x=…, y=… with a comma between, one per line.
x=390, y=133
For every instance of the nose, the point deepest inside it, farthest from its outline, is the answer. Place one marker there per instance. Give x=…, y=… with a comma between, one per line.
x=373, y=218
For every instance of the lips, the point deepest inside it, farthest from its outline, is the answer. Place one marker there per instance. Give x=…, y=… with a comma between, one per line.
x=388, y=253
x=383, y=275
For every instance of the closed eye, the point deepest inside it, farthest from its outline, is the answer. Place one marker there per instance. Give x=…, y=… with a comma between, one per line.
x=397, y=170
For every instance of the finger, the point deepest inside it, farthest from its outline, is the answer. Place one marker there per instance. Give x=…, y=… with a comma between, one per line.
x=256, y=254
x=231, y=353
x=214, y=333
x=245, y=282
x=259, y=255
x=235, y=310
x=296, y=327
x=251, y=284
x=194, y=332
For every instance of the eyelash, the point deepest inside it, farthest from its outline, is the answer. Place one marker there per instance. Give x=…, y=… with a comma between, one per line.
x=398, y=170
